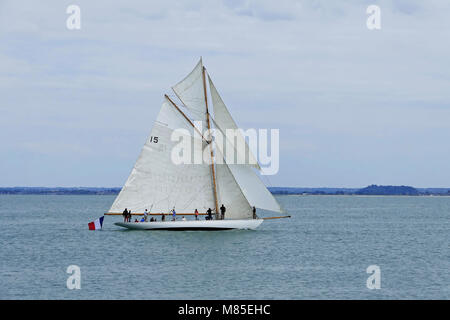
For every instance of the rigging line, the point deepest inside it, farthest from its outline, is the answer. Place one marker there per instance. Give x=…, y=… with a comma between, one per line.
x=171, y=192
x=194, y=113
x=186, y=117
x=266, y=177
x=161, y=200
x=234, y=146
x=194, y=197
x=170, y=198
x=183, y=105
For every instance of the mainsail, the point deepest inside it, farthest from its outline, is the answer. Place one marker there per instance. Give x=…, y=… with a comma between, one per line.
x=158, y=183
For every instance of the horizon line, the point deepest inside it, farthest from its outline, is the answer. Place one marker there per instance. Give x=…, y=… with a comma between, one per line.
x=323, y=187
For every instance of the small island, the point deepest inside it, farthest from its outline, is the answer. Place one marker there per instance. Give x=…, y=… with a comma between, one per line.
x=372, y=190
x=388, y=190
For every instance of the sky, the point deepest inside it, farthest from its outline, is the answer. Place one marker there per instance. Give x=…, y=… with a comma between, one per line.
x=354, y=106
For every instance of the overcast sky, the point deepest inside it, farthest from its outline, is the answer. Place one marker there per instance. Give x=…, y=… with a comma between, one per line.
x=354, y=106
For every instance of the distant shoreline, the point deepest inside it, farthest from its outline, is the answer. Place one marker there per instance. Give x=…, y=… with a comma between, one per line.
x=367, y=191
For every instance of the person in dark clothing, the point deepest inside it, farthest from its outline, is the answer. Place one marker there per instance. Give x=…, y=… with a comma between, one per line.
x=125, y=215
x=222, y=211
x=209, y=212
x=163, y=217
x=129, y=215
x=254, y=213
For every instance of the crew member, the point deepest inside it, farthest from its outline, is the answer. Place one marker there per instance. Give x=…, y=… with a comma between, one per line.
x=209, y=212
x=222, y=211
x=174, y=214
x=125, y=215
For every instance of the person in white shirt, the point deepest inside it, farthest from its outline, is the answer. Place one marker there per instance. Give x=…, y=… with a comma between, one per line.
x=184, y=219
x=145, y=215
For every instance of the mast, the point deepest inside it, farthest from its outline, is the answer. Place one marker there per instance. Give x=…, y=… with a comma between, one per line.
x=210, y=145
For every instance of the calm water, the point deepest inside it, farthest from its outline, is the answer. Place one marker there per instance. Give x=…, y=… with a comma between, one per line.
x=321, y=253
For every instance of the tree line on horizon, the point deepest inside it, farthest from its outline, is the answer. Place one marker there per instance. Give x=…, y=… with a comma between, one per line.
x=369, y=190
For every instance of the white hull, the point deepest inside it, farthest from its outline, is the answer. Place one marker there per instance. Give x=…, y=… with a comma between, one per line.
x=193, y=225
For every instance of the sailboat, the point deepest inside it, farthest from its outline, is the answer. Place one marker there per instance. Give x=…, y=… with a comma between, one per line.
x=160, y=185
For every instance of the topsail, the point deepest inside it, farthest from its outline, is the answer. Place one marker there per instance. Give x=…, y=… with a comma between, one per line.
x=190, y=91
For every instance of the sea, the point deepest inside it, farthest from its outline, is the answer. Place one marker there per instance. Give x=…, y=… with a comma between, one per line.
x=332, y=247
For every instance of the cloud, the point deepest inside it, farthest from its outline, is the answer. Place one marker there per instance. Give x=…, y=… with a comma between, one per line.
x=310, y=68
